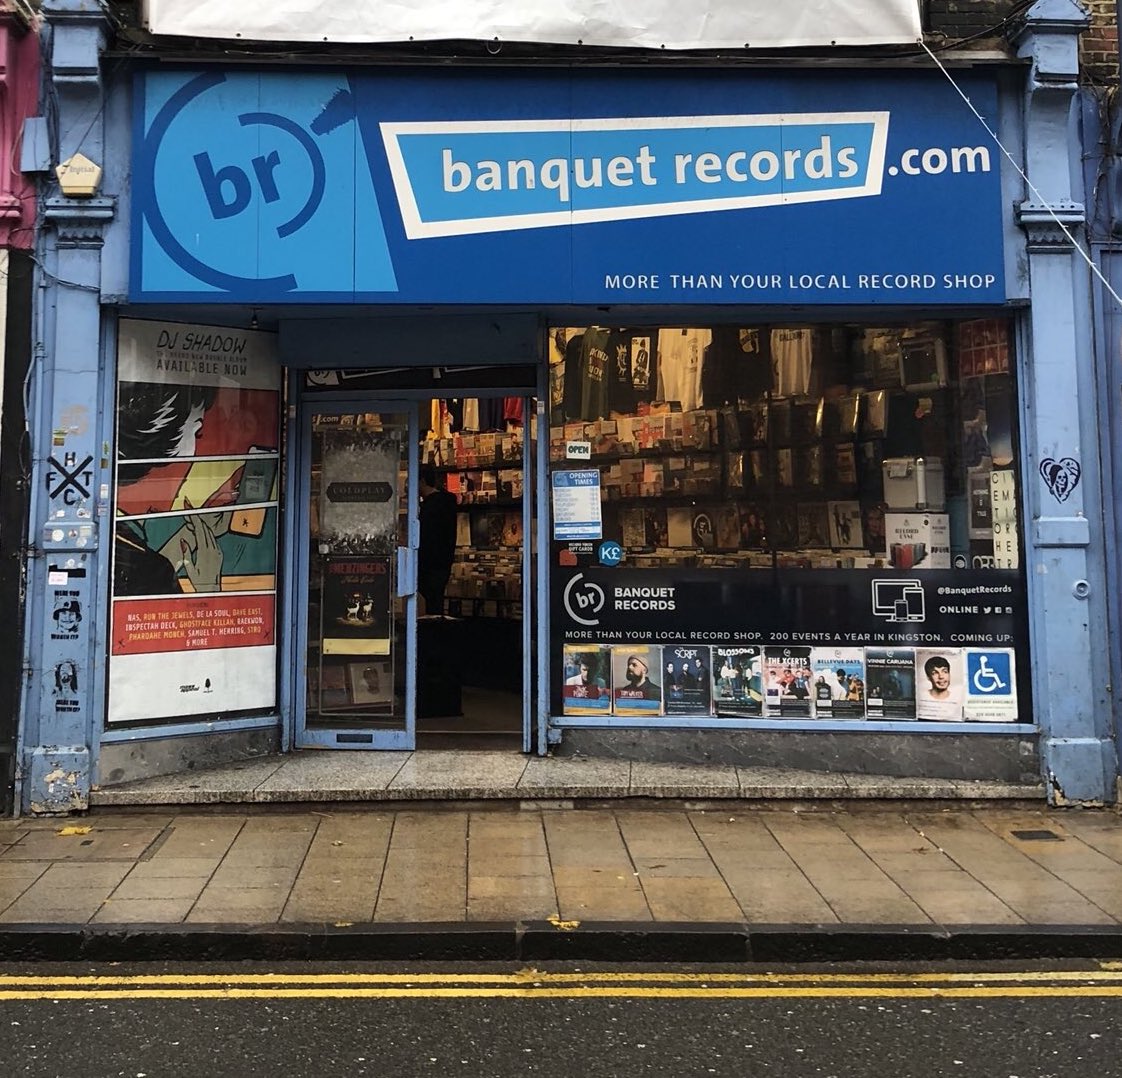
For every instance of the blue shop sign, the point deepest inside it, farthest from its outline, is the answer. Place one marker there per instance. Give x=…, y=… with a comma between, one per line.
x=581, y=187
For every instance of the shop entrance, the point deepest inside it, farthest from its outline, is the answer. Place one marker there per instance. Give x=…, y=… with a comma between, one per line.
x=412, y=555
x=356, y=576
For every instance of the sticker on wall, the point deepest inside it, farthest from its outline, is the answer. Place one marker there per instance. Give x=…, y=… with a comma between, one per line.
x=65, y=688
x=1061, y=476
x=69, y=480
x=66, y=616
x=609, y=552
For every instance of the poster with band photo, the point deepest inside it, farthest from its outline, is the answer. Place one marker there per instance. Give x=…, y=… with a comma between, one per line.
x=838, y=682
x=687, y=679
x=940, y=684
x=737, y=681
x=586, y=679
x=891, y=683
x=787, y=681
x=636, y=688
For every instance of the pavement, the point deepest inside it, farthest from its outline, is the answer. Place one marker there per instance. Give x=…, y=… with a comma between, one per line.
x=501, y=775
x=522, y=879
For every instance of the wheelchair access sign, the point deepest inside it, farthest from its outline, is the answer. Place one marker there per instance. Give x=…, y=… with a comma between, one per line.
x=991, y=685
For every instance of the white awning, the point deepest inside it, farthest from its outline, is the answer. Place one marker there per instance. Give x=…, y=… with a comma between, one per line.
x=704, y=24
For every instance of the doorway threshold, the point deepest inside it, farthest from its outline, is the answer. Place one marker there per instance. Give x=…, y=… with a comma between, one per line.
x=497, y=775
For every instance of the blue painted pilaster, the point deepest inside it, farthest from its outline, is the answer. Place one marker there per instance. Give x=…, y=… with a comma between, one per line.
x=70, y=458
x=1063, y=527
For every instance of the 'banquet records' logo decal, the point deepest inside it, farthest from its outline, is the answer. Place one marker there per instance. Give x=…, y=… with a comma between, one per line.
x=583, y=600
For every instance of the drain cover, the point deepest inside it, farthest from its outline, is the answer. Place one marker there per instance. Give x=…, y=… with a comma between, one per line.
x=1036, y=836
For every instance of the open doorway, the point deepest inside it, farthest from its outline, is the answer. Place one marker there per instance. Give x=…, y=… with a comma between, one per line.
x=474, y=524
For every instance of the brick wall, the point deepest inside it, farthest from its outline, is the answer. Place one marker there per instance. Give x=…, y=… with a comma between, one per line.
x=1100, y=42
x=963, y=18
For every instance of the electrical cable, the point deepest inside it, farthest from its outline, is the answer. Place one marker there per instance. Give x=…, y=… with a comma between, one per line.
x=1044, y=203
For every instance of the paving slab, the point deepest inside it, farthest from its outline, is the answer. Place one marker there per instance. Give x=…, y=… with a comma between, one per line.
x=689, y=780
x=332, y=776
x=83, y=843
x=575, y=776
x=893, y=787
x=458, y=774
x=776, y=782
x=143, y=911
x=230, y=783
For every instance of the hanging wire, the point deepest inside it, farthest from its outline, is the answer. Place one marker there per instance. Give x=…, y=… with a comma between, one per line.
x=1044, y=203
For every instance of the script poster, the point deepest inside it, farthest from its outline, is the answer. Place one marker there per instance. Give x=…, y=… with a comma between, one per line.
x=193, y=623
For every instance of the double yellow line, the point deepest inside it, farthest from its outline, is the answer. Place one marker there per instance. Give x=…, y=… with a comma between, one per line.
x=535, y=984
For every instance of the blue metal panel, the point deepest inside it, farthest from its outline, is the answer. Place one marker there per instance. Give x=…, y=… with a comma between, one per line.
x=541, y=584
x=1058, y=421
x=190, y=729
x=528, y=564
x=252, y=187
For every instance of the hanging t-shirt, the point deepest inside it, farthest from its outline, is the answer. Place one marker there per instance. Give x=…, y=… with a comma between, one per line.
x=792, y=351
x=621, y=391
x=571, y=390
x=512, y=411
x=596, y=358
x=491, y=414
x=680, y=353
x=644, y=381
x=471, y=413
x=733, y=367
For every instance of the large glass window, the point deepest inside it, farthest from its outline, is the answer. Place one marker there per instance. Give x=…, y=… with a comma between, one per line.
x=193, y=612
x=787, y=521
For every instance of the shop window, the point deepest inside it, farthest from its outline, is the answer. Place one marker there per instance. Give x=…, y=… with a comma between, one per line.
x=787, y=521
x=196, y=499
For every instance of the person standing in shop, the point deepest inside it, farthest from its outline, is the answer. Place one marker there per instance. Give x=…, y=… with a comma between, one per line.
x=438, y=540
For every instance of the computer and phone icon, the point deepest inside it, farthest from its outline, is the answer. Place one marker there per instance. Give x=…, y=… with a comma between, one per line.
x=899, y=600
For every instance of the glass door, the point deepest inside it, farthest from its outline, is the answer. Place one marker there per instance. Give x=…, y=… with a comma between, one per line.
x=356, y=574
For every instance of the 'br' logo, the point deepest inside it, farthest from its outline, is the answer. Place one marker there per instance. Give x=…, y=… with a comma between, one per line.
x=583, y=600
x=231, y=183
x=229, y=189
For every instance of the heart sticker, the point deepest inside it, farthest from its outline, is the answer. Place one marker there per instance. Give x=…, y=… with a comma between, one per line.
x=1061, y=476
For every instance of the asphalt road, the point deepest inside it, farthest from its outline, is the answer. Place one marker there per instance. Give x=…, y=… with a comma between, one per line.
x=249, y=1019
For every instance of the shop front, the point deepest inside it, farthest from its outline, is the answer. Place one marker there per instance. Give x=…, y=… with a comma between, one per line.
x=749, y=417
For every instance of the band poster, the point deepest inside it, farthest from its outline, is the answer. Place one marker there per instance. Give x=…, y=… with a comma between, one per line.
x=193, y=623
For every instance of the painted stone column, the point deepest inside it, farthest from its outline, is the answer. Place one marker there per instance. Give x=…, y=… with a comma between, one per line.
x=1063, y=509
x=65, y=641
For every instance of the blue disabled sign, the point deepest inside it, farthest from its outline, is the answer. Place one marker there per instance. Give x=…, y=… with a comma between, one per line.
x=991, y=685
